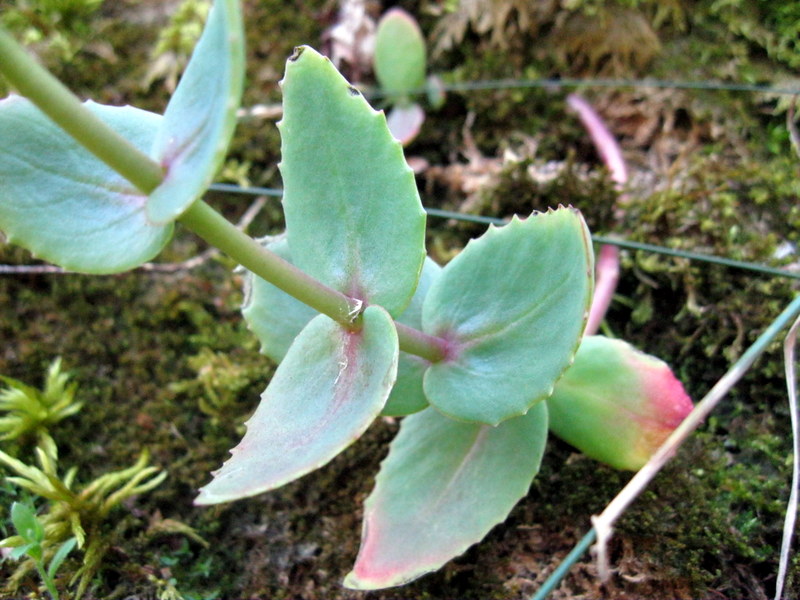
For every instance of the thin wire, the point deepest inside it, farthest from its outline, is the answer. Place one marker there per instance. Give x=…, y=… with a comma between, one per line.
x=483, y=220
x=599, y=239
x=190, y=263
x=555, y=83
x=273, y=111
x=253, y=191
x=630, y=245
x=632, y=83
x=561, y=571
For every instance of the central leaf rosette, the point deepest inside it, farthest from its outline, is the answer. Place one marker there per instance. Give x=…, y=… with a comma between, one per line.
x=510, y=310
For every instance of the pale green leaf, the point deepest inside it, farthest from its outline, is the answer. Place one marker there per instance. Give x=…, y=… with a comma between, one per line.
x=66, y=206
x=399, y=53
x=442, y=487
x=201, y=115
x=31, y=549
x=60, y=556
x=353, y=215
x=326, y=392
x=513, y=306
x=26, y=523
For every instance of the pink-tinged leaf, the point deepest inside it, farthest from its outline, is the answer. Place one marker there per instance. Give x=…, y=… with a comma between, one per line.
x=329, y=388
x=443, y=486
x=617, y=404
x=512, y=306
x=405, y=121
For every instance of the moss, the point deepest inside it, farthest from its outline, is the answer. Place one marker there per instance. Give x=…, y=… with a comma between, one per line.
x=713, y=512
x=721, y=210
x=710, y=521
x=127, y=338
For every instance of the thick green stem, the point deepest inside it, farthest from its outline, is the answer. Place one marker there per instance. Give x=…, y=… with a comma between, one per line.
x=67, y=111
x=57, y=102
x=217, y=231
x=416, y=342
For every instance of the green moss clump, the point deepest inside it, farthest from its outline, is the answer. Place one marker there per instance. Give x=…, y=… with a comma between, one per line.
x=530, y=185
x=741, y=211
x=718, y=512
x=127, y=338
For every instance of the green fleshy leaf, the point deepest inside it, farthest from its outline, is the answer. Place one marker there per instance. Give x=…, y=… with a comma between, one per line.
x=353, y=214
x=407, y=395
x=617, y=404
x=66, y=206
x=442, y=487
x=32, y=549
x=399, y=53
x=25, y=522
x=434, y=86
x=275, y=317
x=513, y=306
x=326, y=392
x=201, y=115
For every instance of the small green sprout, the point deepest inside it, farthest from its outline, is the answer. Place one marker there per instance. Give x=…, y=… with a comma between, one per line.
x=78, y=515
x=30, y=411
x=400, y=65
x=31, y=531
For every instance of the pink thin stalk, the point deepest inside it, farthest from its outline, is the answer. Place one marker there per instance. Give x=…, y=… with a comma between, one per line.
x=607, y=268
x=604, y=141
x=606, y=278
